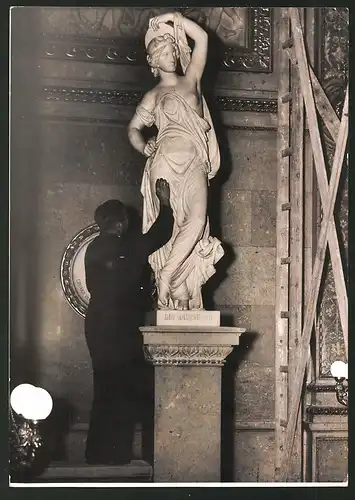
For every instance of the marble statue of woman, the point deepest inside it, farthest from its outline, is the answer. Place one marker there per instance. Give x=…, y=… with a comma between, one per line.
x=185, y=153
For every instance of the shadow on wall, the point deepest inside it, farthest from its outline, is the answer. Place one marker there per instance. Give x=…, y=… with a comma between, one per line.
x=56, y=429
x=213, y=65
x=229, y=371
x=147, y=416
x=24, y=190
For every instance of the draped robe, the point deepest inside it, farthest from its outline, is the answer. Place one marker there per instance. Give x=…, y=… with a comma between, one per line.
x=187, y=156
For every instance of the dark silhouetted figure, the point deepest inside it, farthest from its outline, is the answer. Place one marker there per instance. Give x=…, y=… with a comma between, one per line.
x=114, y=263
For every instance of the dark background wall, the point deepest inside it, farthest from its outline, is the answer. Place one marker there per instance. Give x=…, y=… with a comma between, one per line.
x=74, y=89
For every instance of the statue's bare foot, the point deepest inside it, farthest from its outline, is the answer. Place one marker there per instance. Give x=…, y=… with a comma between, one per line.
x=182, y=305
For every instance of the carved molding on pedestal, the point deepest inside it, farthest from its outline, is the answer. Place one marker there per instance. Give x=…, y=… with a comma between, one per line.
x=186, y=355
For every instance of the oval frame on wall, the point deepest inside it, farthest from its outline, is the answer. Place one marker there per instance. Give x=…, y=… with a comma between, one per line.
x=72, y=269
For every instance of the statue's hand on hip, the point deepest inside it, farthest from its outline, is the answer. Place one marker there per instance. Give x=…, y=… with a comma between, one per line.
x=150, y=147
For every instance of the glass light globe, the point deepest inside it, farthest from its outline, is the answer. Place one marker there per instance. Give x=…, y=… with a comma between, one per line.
x=33, y=403
x=22, y=398
x=346, y=371
x=44, y=403
x=41, y=405
x=339, y=369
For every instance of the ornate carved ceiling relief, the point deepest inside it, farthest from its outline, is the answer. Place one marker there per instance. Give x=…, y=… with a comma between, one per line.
x=115, y=35
x=243, y=37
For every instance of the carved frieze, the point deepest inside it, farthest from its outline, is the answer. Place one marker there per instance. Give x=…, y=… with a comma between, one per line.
x=115, y=35
x=186, y=355
x=326, y=410
x=90, y=96
x=92, y=49
x=227, y=103
x=132, y=98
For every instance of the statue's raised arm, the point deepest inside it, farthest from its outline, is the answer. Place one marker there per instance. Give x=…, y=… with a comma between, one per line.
x=185, y=153
x=196, y=65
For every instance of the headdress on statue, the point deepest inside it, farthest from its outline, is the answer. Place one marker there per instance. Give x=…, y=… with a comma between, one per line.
x=164, y=29
x=155, y=41
x=175, y=35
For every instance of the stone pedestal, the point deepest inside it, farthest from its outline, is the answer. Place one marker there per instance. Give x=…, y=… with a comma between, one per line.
x=187, y=421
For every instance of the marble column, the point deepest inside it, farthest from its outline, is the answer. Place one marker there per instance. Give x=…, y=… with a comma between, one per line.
x=187, y=421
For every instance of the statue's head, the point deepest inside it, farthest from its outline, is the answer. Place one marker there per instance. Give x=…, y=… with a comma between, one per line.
x=112, y=217
x=162, y=49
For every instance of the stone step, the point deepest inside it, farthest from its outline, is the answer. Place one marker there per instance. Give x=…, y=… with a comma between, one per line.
x=138, y=471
